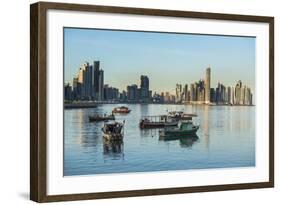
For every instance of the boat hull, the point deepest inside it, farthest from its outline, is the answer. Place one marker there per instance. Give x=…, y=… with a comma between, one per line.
x=113, y=137
x=148, y=125
x=121, y=112
x=99, y=119
x=178, y=133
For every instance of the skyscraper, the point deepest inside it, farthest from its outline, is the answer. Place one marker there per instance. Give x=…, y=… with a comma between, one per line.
x=207, y=85
x=132, y=92
x=87, y=81
x=81, y=89
x=237, y=92
x=178, y=93
x=144, y=86
x=192, y=92
x=101, y=85
x=96, y=80
x=185, y=93
x=67, y=92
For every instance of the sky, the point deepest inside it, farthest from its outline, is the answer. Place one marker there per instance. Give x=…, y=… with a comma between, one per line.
x=166, y=58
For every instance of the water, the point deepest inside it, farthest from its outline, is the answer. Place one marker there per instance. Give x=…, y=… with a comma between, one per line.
x=226, y=138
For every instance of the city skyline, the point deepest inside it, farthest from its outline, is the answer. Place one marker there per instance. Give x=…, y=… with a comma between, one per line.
x=88, y=84
x=181, y=56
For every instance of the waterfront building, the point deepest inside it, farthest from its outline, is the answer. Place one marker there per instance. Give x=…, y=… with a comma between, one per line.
x=178, y=93
x=106, y=92
x=167, y=97
x=172, y=99
x=228, y=95
x=212, y=95
x=96, y=80
x=75, y=88
x=220, y=94
x=67, y=92
x=207, y=85
x=232, y=96
x=242, y=95
x=132, y=93
x=157, y=98
x=200, y=91
x=186, y=93
x=101, y=84
x=87, y=80
x=237, y=92
x=192, y=92
x=123, y=96
x=110, y=93
x=80, y=76
x=144, y=86
x=247, y=96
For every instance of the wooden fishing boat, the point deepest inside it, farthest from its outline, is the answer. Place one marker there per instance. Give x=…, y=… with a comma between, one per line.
x=157, y=121
x=122, y=110
x=113, y=131
x=180, y=115
x=185, y=129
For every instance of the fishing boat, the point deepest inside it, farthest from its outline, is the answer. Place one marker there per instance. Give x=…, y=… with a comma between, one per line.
x=98, y=118
x=157, y=121
x=186, y=128
x=180, y=115
x=113, y=131
x=122, y=110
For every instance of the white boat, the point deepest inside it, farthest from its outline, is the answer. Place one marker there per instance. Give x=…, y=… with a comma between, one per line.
x=113, y=131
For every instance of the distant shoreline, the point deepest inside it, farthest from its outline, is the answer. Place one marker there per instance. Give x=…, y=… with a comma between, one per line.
x=90, y=104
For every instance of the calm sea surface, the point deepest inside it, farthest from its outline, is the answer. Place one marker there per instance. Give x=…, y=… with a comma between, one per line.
x=226, y=138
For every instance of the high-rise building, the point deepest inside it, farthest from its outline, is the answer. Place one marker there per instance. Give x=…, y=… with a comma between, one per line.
x=207, y=85
x=96, y=78
x=101, y=85
x=212, y=95
x=167, y=97
x=132, y=92
x=144, y=86
x=185, y=93
x=200, y=91
x=192, y=92
x=67, y=92
x=232, y=96
x=178, y=93
x=81, y=89
x=247, y=96
x=242, y=95
x=228, y=95
x=237, y=92
x=87, y=80
x=110, y=93
x=221, y=94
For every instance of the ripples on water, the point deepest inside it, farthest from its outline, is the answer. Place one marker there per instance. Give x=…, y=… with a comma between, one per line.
x=226, y=138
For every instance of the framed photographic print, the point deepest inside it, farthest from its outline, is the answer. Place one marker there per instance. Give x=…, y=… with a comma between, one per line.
x=134, y=102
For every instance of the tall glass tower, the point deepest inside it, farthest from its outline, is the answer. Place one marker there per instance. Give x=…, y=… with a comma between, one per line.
x=207, y=85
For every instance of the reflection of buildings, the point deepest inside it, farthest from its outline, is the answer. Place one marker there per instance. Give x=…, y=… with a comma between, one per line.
x=205, y=126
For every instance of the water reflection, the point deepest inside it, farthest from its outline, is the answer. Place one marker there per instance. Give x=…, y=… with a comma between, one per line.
x=226, y=138
x=113, y=149
x=184, y=141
